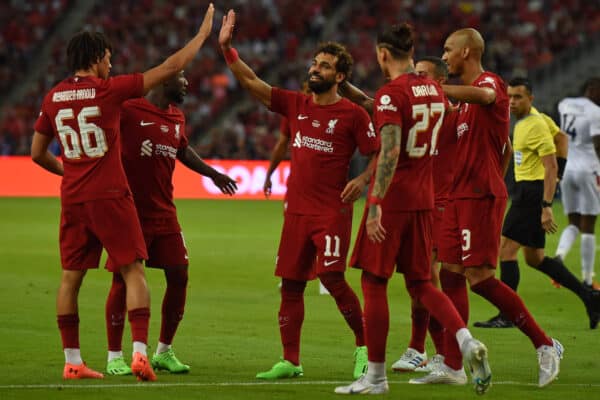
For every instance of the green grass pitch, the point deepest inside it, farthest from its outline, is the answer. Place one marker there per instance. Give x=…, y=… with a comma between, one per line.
x=230, y=331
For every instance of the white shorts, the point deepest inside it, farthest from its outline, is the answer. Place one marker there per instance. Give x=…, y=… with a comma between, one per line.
x=581, y=192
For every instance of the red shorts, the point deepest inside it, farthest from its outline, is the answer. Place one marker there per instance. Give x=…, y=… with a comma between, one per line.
x=311, y=245
x=406, y=248
x=470, y=231
x=164, y=242
x=110, y=223
x=438, y=215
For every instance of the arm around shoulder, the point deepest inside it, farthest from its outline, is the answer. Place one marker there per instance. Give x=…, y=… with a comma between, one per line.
x=470, y=94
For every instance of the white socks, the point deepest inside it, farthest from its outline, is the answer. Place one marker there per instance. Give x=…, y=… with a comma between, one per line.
x=139, y=347
x=567, y=238
x=462, y=335
x=162, y=347
x=376, y=372
x=114, y=354
x=588, y=252
x=73, y=356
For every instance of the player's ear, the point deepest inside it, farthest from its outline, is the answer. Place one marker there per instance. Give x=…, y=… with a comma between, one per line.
x=340, y=77
x=465, y=52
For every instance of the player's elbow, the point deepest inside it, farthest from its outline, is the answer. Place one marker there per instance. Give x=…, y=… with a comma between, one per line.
x=488, y=96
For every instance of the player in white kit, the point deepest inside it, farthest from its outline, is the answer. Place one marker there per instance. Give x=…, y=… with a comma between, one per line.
x=580, y=186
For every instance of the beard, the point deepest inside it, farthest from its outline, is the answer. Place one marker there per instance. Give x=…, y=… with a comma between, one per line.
x=321, y=86
x=175, y=96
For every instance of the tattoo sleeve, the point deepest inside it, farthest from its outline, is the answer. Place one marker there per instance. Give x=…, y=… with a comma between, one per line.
x=388, y=159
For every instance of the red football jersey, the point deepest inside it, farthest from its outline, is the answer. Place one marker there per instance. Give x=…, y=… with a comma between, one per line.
x=416, y=104
x=482, y=132
x=444, y=157
x=83, y=114
x=324, y=139
x=151, y=138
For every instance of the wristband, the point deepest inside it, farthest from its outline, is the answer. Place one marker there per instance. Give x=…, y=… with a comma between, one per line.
x=562, y=162
x=231, y=55
x=546, y=204
x=374, y=201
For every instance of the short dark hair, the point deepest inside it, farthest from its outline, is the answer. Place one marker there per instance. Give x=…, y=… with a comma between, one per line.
x=344, y=58
x=85, y=49
x=521, y=81
x=398, y=39
x=592, y=83
x=441, y=68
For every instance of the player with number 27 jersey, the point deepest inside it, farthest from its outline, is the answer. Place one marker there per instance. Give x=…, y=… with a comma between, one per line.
x=84, y=113
x=417, y=105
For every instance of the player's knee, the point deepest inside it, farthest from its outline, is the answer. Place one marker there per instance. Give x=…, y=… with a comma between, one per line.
x=72, y=279
x=177, y=277
x=291, y=286
x=333, y=281
x=417, y=289
x=478, y=274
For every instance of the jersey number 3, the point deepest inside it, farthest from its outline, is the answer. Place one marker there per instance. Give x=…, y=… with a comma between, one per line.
x=89, y=140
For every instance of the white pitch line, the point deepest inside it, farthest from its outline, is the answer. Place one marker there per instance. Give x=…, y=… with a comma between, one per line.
x=242, y=384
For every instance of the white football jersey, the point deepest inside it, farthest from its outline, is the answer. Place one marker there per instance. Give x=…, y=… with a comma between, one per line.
x=580, y=120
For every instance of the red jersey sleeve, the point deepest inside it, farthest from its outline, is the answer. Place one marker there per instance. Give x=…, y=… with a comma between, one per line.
x=364, y=133
x=284, y=102
x=43, y=124
x=126, y=87
x=386, y=111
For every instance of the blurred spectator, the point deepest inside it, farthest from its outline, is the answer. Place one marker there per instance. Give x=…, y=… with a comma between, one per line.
x=276, y=38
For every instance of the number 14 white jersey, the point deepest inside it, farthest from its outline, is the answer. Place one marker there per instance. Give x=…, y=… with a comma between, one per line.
x=580, y=120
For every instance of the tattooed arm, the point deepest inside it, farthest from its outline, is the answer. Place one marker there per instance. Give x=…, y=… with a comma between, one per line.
x=386, y=167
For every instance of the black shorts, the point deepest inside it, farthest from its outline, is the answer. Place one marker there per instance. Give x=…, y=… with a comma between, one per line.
x=523, y=220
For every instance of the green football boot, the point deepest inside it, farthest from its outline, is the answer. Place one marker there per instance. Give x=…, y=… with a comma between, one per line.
x=283, y=369
x=168, y=362
x=361, y=361
x=118, y=366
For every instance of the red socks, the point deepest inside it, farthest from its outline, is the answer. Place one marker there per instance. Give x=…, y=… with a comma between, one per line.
x=455, y=287
x=139, y=319
x=510, y=304
x=347, y=303
x=291, y=316
x=69, y=330
x=173, y=304
x=420, y=321
x=376, y=315
x=116, y=306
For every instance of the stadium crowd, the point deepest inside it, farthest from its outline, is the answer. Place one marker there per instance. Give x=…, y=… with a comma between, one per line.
x=519, y=39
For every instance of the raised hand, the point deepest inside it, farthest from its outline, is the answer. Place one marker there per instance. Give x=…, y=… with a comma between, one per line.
x=206, y=27
x=226, y=33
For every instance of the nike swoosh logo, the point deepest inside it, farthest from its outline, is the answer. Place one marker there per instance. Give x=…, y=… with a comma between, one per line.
x=328, y=263
x=302, y=116
x=465, y=257
x=142, y=123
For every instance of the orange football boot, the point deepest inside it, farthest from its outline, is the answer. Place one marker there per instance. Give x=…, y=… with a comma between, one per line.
x=81, y=371
x=140, y=366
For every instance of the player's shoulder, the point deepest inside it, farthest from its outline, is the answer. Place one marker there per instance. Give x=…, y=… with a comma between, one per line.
x=490, y=79
x=138, y=102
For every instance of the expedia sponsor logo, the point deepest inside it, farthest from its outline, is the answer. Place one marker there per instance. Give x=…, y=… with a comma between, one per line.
x=385, y=104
